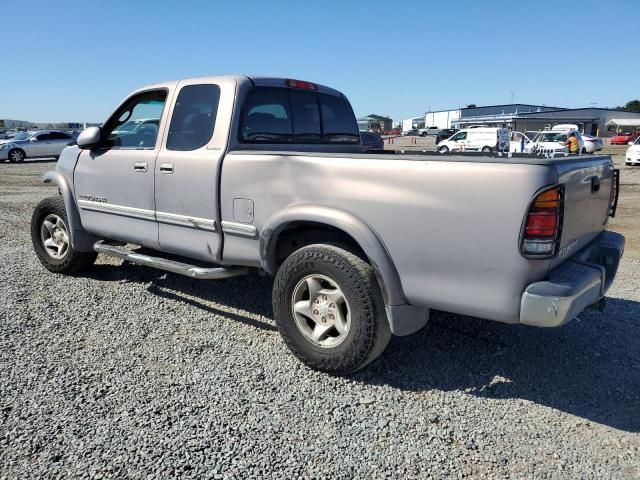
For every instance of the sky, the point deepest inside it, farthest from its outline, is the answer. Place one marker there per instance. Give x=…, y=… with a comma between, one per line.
x=75, y=61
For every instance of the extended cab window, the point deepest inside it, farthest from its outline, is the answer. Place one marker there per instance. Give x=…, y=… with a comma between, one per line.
x=280, y=115
x=194, y=117
x=135, y=124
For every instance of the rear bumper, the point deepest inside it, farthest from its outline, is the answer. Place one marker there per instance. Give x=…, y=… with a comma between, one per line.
x=574, y=285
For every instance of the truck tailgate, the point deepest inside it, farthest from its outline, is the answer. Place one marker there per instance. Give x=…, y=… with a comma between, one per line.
x=588, y=183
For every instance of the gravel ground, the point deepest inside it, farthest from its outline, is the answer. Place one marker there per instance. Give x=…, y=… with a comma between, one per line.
x=128, y=372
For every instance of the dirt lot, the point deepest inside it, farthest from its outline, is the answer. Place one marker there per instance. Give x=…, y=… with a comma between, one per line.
x=130, y=372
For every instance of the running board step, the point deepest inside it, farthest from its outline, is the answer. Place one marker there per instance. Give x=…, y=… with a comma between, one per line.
x=201, y=273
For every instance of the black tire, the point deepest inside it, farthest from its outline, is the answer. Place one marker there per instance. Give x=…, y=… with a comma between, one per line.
x=16, y=155
x=71, y=262
x=443, y=150
x=424, y=134
x=369, y=331
x=583, y=151
x=486, y=149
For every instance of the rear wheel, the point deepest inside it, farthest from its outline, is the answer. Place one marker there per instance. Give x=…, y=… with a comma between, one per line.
x=329, y=310
x=16, y=155
x=51, y=239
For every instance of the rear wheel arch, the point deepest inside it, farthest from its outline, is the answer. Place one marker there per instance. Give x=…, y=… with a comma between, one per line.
x=306, y=225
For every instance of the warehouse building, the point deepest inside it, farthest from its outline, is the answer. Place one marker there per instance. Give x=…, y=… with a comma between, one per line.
x=375, y=123
x=603, y=122
x=8, y=123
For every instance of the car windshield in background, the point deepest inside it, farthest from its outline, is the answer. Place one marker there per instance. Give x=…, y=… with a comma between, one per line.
x=129, y=126
x=552, y=137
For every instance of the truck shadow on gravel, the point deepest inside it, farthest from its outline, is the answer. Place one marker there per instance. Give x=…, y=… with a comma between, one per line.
x=250, y=295
x=589, y=368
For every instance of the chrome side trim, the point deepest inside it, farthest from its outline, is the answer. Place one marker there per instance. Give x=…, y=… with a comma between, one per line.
x=162, y=217
x=117, y=210
x=240, y=229
x=186, y=221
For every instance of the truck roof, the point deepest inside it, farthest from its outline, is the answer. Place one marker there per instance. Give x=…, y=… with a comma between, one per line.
x=257, y=80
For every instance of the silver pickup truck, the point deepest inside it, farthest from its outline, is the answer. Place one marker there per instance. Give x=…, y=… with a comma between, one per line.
x=223, y=176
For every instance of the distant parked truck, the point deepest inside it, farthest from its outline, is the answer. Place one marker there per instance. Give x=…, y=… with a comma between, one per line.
x=250, y=174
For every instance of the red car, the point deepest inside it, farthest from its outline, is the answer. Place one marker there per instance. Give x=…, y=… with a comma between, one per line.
x=624, y=138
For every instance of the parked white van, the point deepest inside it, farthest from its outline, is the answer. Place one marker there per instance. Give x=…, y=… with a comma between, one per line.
x=479, y=139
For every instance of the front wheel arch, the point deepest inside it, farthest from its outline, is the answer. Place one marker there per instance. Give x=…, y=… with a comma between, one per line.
x=81, y=240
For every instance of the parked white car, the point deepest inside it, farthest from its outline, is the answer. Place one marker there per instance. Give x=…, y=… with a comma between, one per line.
x=633, y=153
x=476, y=139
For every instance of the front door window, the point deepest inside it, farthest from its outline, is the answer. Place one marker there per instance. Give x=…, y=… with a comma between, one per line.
x=135, y=124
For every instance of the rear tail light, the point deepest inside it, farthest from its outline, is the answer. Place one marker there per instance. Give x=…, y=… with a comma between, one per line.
x=301, y=84
x=543, y=224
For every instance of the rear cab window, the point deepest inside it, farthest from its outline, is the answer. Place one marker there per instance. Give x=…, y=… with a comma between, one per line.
x=284, y=115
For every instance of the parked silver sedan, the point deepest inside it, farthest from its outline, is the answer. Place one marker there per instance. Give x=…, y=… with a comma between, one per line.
x=42, y=143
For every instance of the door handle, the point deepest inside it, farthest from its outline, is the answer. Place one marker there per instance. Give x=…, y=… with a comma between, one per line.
x=140, y=166
x=166, y=168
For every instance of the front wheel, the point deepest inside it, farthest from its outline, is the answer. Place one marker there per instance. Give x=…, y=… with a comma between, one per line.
x=443, y=150
x=16, y=155
x=486, y=149
x=329, y=310
x=51, y=239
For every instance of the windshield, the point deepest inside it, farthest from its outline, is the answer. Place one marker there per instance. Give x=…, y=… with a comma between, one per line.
x=552, y=137
x=20, y=136
x=637, y=142
x=129, y=126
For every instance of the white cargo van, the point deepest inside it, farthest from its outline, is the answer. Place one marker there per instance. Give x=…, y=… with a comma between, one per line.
x=478, y=139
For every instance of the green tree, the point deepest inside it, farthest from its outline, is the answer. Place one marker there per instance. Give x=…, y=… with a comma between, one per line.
x=632, y=106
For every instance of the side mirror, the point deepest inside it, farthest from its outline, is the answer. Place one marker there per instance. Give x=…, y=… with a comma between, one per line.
x=629, y=143
x=33, y=139
x=89, y=137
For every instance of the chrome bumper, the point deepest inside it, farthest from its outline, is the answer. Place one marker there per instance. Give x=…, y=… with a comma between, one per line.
x=574, y=285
